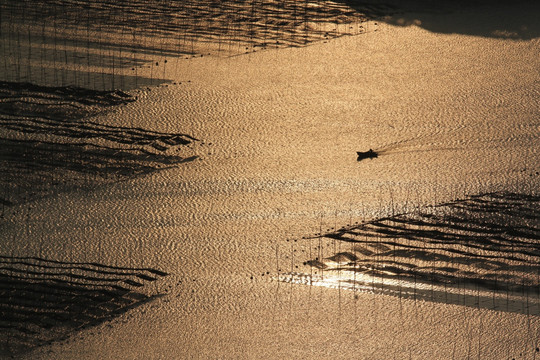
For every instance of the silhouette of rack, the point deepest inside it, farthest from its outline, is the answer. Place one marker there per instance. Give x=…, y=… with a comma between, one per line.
x=45, y=300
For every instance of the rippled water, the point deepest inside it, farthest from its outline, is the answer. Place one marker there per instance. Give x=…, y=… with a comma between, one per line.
x=450, y=115
x=480, y=251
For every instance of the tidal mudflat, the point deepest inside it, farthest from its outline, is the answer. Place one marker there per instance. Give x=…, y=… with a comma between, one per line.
x=190, y=188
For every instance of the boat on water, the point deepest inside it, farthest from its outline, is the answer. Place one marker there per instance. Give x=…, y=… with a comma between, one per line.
x=370, y=154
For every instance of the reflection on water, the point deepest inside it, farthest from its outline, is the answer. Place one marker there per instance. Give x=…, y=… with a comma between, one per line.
x=482, y=251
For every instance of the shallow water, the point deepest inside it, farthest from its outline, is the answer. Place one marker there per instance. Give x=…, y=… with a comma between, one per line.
x=450, y=114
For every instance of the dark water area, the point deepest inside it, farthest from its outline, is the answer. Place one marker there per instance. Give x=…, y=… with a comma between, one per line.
x=477, y=16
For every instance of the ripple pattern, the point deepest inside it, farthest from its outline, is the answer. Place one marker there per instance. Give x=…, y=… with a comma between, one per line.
x=44, y=300
x=485, y=246
x=48, y=139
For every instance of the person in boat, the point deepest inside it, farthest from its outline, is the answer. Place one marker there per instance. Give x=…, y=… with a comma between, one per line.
x=370, y=154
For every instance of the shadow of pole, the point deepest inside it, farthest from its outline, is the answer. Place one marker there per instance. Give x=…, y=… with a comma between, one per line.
x=42, y=300
x=481, y=251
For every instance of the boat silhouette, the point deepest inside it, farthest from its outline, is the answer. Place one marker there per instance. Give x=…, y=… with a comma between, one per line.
x=370, y=154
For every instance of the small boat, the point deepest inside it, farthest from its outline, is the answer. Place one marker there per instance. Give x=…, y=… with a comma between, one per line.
x=370, y=154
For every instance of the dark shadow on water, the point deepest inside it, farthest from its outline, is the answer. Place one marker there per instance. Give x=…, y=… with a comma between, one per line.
x=486, y=18
x=49, y=143
x=43, y=300
x=100, y=81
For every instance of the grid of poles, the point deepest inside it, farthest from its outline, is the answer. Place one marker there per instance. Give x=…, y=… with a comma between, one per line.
x=109, y=44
